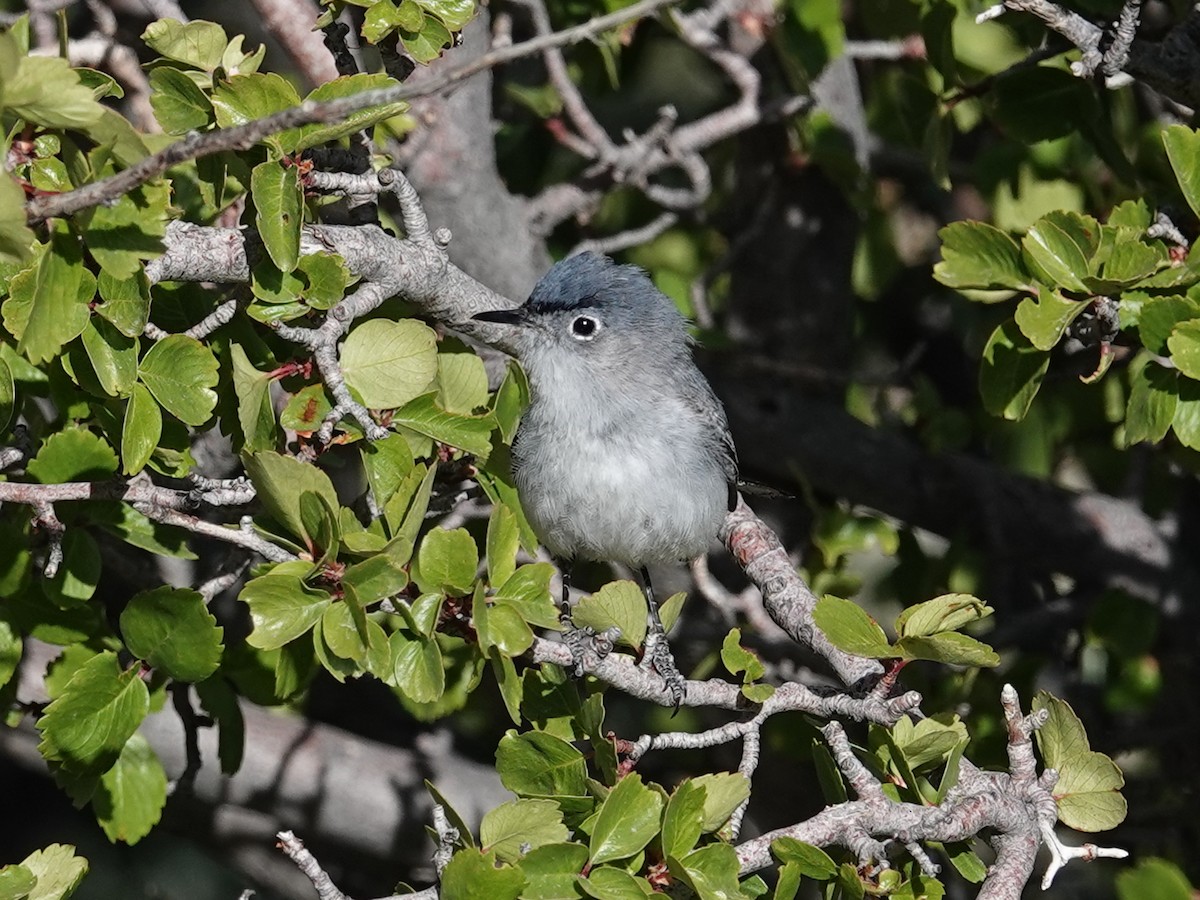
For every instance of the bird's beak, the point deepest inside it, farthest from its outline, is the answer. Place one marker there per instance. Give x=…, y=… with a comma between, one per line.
x=503, y=316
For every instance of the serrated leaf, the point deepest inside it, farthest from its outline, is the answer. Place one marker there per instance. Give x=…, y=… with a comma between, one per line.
x=178, y=104
x=513, y=829
x=389, y=363
x=16, y=882
x=446, y=561
x=48, y=304
x=172, y=630
x=279, y=211
x=619, y=603
x=627, y=821
x=417, y=667
x=382, y=575
x=1062, y=737
x=850, y=629
x=345, y=86
x=1088, y=793
x=723, y=793
x=256, y=413
x=1186, y=421
x=426, y=45
x=85, y=727
x=1011, y=373
x=1152, y=398
x=280, y=480
x=123, y=234
x=949, y=612
x=528, y=592
x=949, y=647
x=538, y=764
x=45, y=90
x=58, y=871
x=1183, y=150
x=1045, y=319
x=812, y=861
x=471, y=434
x=244, y=98
x=454, y=13
x=683, y=821
x=181, y=374
x=1158, y=317
x=126, y=302
x=113, y=356
x=73, y=454
x=198, y=43
x=550, y=871
x=282, y=608
x=132, y=794
x=1184, y=344
x=474, y=875
x=16, y=238
x=977, y=255
x=1054, y=257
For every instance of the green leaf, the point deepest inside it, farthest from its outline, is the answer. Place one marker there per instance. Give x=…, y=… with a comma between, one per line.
x=244, y=98
x=126, y=302
x=1088, y=793
x=788, y=882
x=141, y=431
x=282, y=608
x=73, y=454
x=723, y=793
x=949, y=612
x=474, y=875
x=469, y=433
x=979, y=256
x=326, y=275
x=550, y=871
x=389, y=363
x=341, y=634
x=612, y=883
x=11, y=646
x=737, y=659
x=16, y=882
x=1184, y=344
x=181, y=374
x=280, y=480
x=387, y=462
x=256, y=413
x=1186, y=421
x=1183, y=150
x=1152, y=398
x=220, y=701
x=85, y=728
x=462, y=382
x=683, y=820
x=132, y=794
x=850, y=629
x=454, y=13
x=48, y=304
x=426, y=45
x=812, y=861
x=502, y=627
x=45, y=90
x=627, y=821
x=178, y=104
x=1045, y=319
x=382, y=575
x=113, y=356
x=949, y=647
x=198, y=44
x=1011, y=373
x=510, y=400
x=16, y=238
x=123, y=234
x=1062, y=738
x=528, y=592
x=172, y=630
x=1159, y=316
x=619, y=603
x=1054, y=257
x=77, y=577
x=417, y=667
x=1154, y=879
x=503, y=541
x=58, y=871
x=345, y=86
x=928, y=741
x=538, y=764
x=446, y=561
x=712, y=872
x=513, y=829
x=279, y=211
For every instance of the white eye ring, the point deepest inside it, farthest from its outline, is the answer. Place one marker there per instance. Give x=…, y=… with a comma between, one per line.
x=585, y=328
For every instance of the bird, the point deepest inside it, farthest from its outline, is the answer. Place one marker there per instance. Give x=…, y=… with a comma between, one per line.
x=624, y=453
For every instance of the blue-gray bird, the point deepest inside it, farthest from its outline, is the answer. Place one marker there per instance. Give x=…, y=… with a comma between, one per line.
x=624, y=454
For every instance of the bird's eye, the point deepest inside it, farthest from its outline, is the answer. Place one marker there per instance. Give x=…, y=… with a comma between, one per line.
x=584, y=328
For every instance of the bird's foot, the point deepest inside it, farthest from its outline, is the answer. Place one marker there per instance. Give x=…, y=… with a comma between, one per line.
x=658, y=655
x=584, y=641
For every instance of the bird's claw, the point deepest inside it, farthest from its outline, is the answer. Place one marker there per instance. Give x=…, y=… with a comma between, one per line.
x=658, y=652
